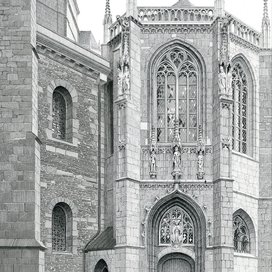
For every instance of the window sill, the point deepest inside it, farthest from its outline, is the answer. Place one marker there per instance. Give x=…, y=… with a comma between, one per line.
x=49, y=137
x=62, y=253
x=243, y=155
x=244, y=255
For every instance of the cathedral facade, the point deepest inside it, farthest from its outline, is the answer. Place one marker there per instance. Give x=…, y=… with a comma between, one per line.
x=152, y=155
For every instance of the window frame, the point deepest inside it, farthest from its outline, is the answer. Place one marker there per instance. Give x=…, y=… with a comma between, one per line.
x=68, y=228
x=155, y=64
x=251, y=121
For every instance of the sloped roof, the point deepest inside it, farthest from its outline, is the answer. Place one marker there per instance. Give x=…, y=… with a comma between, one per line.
x=183, y=4
x=103, y=241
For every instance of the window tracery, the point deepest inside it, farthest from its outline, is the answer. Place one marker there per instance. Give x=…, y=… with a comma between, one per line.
x=177, y=96
x=59, y=116
x=176, y=227
x=239, y=113
x=241, y=235
x=59, y=229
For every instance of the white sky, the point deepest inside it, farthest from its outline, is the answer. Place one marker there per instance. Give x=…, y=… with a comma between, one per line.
x=92, y=11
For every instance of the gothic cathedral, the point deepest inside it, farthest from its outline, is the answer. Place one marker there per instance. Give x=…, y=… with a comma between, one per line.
x=149, y=153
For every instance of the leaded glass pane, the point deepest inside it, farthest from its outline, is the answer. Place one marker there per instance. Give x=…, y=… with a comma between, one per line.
x=182, y=106
x=182, y=121
x=160, y=134
x=176, y=70
x=160, y=121
x=192, y=106
x=160, y=106
x=58, y=229
x=182, y=133
x=192, y=135
x=193, y=121
x=176, y=227
x=171, y=86
x=239, y=118
x=59, y=116
x=241, y=237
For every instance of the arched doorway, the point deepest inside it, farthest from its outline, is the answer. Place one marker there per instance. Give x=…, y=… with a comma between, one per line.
x=181, y=213
x=176, y=262
x=101, y=266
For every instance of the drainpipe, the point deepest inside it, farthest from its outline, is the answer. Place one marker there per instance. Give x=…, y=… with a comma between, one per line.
x=98, y=177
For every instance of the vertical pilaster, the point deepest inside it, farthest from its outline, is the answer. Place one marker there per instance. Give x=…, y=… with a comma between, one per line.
x=132, y=8
x=128, y=158
x=222, y=131
x=266, y=27
x=20, y=147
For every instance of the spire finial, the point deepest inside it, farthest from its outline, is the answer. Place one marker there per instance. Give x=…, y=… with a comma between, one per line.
x=265, y=26
x=107, y=17
x=265, y=10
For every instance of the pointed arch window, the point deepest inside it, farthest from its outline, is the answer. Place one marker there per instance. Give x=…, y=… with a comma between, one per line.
x=176, y=227
x=241, y=237
x=240, y=109
x=177, y=96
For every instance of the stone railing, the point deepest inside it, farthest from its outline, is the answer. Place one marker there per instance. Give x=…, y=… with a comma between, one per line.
x=150, y=15
x=243, y=31
x=162, y=14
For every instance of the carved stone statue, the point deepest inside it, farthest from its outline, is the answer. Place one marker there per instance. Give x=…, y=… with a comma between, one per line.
x=222, y=79
x=229, y=80
x=120, y=80
x=126, y=80
x=176, y=159
x=153, y=161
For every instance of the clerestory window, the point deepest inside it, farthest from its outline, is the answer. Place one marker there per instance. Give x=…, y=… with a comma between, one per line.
x=176, y=227
x=240, y=109
x=177, y=96
x=241, y=237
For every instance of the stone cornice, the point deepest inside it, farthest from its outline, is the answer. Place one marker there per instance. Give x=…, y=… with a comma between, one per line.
x=239, y=41
x=174, y=28
x=73, y=55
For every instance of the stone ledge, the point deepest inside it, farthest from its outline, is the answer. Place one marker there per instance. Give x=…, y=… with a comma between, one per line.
x=22, y=243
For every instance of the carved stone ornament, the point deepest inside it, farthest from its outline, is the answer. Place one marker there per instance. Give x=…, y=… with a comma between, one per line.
x=123, y=66
x=224, y=52
x=200, y=155
x=122, y=145
x=176, y=147
x=225, y=80
x=153, y=151
x=226, y=143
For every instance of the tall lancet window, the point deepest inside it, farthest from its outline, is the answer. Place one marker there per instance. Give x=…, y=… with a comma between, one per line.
x=59, y=116
x=177, y=96
x=239, y=114
x=59, y=229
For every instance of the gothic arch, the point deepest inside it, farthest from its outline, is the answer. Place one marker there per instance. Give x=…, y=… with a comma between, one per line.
x=154, y=61
x=242, y=61
x=101, y=266
x=182, y=200
x=250, y=225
